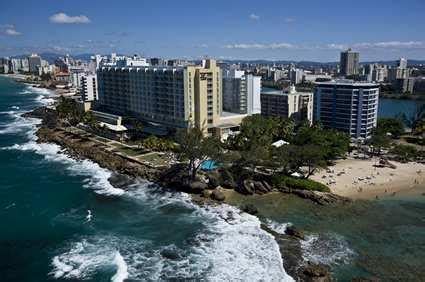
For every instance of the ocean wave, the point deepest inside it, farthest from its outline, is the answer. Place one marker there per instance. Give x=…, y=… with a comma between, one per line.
x=44, y=96
x=97, y=176
x=327, y=248
x=276, y=226
x=233, y=251
x=19, y=124
x=122, y=272
x=231, y=238
x=83, y=259
x=235, y=238
x=231, y=246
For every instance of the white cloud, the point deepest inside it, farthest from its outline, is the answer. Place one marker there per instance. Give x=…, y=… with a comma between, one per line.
x=62, y=18
x=9, y=29
x=254, y=17
x=332, y=46
x=289, y=20
x=260, y=46
x=391, y=45
x=12, y=32
x=203, y=45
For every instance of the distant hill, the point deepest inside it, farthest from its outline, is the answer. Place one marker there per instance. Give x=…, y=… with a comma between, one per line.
x=51, y=57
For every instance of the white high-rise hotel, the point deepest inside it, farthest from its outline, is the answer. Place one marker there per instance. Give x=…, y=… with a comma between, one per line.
x=347, y=106
x=241, y=92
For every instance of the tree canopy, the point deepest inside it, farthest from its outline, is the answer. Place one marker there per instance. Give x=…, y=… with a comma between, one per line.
x=195, y=149
x=390, y=125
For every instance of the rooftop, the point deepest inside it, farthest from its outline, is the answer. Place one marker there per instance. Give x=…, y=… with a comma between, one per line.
x=347, y=82
x=290, y=91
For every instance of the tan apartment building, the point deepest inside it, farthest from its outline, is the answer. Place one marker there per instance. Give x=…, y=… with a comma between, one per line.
x=173, y=97
x=288, y=104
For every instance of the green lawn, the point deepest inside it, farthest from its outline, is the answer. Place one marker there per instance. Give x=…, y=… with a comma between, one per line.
x=154, y=158
x=130, y=151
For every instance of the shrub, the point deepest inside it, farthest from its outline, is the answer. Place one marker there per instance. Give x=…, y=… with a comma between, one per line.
x=404, y=153
x=415, y=140
x=158, y=144
x=282, y=181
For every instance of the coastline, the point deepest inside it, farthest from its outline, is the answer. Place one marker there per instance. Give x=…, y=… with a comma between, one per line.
x=361, y=179
x=281, y=239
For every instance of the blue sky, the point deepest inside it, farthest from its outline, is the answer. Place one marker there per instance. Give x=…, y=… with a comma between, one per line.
x=231, y=29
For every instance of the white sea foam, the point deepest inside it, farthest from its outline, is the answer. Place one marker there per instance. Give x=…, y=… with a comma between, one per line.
x=231, y=238
x=19, y=123
x=232, y=245
x=44, y=96
x=82, y=260
x=276, y=226
x=122, y=272
x=329, y=249
x=236, y=248
x=97, y=176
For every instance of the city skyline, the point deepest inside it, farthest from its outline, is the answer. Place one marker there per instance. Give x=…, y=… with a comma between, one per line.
x=271, y=30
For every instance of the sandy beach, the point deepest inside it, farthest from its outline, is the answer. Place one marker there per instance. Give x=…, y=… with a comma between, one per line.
x=361, y=179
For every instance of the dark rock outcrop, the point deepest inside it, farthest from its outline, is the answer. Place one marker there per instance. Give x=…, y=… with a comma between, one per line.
x=293, y=231
x=213, y=180
x=250, y=208
x=315, y=273
x=218, y=195
x=250, y=187
x=321, y=198
x=226, y=179
x=83, y=148
x=246, y=187
x=362, y=279
x=290, y=249
x=121, y=180
x=197, y=187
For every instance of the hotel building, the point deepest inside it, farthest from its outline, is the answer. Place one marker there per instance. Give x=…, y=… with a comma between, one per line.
x=174, y=97
x=288, y=104
x=348, y=106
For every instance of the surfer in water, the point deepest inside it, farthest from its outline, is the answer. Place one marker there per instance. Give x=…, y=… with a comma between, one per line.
x=89, y=216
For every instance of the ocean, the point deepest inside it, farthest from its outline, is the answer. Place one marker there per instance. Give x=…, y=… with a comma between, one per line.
x=62, y=220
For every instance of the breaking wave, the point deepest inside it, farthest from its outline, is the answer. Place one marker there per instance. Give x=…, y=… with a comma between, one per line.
x=230, y=245
x=328, y=248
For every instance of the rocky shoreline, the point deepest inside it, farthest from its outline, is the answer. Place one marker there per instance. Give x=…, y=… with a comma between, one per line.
x=207, y=190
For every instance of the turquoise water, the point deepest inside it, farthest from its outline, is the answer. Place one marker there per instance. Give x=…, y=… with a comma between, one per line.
x=140, y=233
x=146, y=233
x=384, y=239
x=395, y=108
x=208, y=165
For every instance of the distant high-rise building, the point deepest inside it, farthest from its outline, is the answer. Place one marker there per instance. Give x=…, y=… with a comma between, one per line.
x=296, y=75
x=34, y=62
x=349, y=63
x=288, y=104
x=88, y=89
x=348, y=106
x=398, y=73
x=156, y=61
x=402, y=63
x=25, y=65
x=241, y=92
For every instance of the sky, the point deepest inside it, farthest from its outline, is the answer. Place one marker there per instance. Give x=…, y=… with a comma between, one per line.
x=231, y=29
